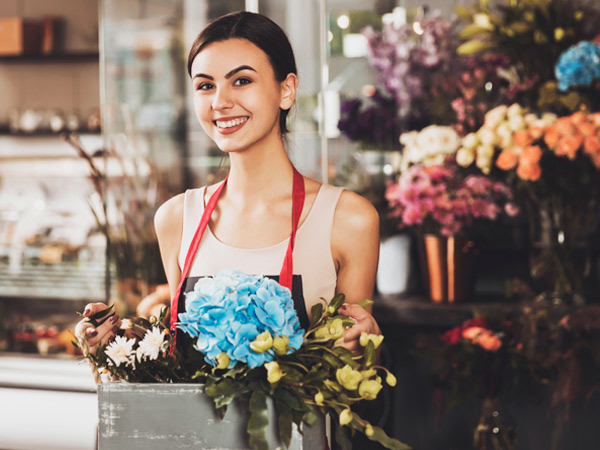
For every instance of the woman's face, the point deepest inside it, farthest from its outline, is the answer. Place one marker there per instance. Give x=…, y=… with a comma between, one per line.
x=236, y=95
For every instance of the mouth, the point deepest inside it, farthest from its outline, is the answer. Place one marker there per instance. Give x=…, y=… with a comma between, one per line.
x=230, y=124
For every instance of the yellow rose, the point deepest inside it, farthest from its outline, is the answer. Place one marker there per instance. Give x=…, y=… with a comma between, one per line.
x=370, y=388
x=274, y=372
x=366, y=374
x=333, y=329
x=319, y=398
x=280, y=344
x=222, y=361
x=262, y=343
x=366, y=337
x=390, y=379
x=345, y=416
x=369, y=430
x=348, y=377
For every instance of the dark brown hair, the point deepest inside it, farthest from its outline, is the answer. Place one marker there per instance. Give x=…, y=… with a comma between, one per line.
x=260, y=31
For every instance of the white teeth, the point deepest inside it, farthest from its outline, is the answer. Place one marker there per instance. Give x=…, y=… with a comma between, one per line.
x=231, y=123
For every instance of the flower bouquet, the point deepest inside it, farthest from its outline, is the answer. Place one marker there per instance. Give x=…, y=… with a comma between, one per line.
x=554, y=165
x=248, y=346
x=439, y=200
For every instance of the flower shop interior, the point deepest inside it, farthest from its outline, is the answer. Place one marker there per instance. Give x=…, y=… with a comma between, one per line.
x=472, y=126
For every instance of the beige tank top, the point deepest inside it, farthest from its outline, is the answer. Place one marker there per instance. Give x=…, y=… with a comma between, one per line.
x=313, y=260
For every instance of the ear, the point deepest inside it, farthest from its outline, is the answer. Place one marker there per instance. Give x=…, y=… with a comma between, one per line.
x=288, y=91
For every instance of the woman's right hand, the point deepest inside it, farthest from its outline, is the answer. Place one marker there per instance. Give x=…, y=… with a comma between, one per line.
x=93, y=336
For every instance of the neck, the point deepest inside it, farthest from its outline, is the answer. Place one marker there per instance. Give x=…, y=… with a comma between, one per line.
x=260, y=173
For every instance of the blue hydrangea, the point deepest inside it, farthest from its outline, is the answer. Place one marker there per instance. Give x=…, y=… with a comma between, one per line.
x=227, y=312
x=578, y=66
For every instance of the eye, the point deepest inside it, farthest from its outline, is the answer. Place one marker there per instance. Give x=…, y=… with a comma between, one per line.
x=204, y=86
x=242, y=81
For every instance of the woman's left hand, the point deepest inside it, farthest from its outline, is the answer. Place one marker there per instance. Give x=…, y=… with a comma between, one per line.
x=365, y=322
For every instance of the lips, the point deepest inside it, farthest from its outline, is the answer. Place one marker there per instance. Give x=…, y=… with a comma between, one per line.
x=228, y=125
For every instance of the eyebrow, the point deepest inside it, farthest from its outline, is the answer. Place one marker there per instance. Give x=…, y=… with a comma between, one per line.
x=228, y=75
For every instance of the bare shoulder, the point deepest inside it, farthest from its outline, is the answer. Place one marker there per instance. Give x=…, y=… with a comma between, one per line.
x=355, y=214
x=169, y=216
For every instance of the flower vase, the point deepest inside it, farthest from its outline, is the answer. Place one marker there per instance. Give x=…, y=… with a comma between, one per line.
x=490, y=433
x=447, y=267
x=394, y=268
x=561, y=256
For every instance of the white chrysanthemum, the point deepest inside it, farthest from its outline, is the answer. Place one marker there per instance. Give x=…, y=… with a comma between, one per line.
x=516, y=123
x=487, y=136
x=465, y=156
x=514, y=110
x=152, y=344
x=435, y=140
x=120, y=351
x=494, y=116
x=470, y=141
x=409, y=139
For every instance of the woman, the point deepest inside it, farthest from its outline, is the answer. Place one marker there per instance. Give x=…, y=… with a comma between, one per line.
x=245, y=82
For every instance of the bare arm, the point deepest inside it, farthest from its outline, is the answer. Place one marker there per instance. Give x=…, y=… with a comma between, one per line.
x=168, y=223
x=355, y=247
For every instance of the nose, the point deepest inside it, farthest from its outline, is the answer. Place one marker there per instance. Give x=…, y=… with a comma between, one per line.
x=222, y=99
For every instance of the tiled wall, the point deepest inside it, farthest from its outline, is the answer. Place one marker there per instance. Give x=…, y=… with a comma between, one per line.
x=48, y=85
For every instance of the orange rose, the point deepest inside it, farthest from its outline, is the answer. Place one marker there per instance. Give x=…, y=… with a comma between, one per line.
x=536, y=132
x=531, y=155
x=586, y=129
x=578, y=117
x=551, y=137
x=522, y=138
x=568, y=146
x=471, y=333
x=564, y=126
x=507, y=160
x=591, y=145
x=489, y=341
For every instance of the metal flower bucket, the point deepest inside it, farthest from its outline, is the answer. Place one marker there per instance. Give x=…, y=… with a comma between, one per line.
x=180, y=416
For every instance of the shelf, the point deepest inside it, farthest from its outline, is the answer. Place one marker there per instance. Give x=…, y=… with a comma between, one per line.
x=47, y=133
x=52, y=58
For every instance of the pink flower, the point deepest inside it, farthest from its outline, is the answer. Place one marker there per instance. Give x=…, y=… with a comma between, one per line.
x=484, y=208
x=412, y=215
x=511, y=209
x=479, y=185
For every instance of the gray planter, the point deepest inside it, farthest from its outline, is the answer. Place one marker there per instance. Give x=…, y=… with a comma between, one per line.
x=180, y=416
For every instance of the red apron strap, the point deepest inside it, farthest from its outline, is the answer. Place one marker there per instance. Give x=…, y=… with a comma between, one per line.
x=189, y=257
x=287, y=271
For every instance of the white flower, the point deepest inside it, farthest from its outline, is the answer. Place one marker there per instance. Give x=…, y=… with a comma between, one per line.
x=465, y=156
x=125, y=324
x=514, y=110
x=120, y=351
x=530, y=118
x=516, y=123
x=549, y=118
x=505, y=134
x=484, y=159
x=483, y=20
x=152, y=344
x=495, y=116
x=435, y=140
x=409, y=139
x=470, y=141
x=487, y=136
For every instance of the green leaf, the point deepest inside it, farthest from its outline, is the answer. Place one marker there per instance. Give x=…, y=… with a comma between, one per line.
x=365, y=303
x=316, y=312
x=95, y=319
x=310, y=418
x=475, y=46
x=284, y=422
x=472, y=30
x=337, y=301
x=341, y=437
x=388, y=442
x=258, y=421
x=289, y=398
x=333, y=361
x=463, y=13
x=369, y=355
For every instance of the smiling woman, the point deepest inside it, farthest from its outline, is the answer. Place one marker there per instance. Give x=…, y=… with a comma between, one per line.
x=244, y=77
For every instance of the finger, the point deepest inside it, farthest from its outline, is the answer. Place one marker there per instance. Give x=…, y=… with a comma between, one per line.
x=352, y=346
x=93, y=308
x=355, y=311
x=101, y=333
x=356, y=330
